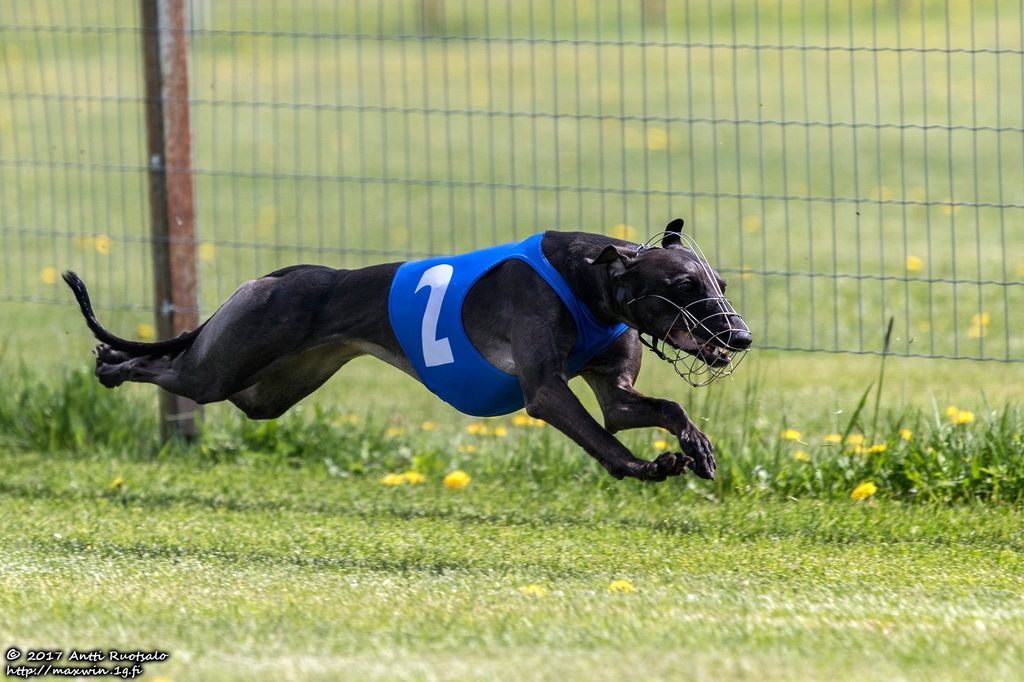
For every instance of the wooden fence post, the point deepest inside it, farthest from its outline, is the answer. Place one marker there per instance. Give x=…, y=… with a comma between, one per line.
x=172, y=212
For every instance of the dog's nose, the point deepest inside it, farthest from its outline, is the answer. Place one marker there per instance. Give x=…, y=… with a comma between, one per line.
x=740, y=339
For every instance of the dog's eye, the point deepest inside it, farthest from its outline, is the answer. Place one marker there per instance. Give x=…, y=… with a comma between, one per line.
x=687, y=285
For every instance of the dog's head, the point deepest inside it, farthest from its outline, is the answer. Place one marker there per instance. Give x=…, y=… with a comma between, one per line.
x=673, y=295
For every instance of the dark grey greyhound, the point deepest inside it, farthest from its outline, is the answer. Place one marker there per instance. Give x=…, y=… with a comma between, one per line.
x=280, y=337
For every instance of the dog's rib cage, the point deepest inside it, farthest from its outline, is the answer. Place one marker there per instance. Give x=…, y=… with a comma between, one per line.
x=844, y=163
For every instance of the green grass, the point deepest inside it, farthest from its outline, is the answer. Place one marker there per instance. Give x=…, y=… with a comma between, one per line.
x=273, y=549
x=259, y=569
x=909, y=453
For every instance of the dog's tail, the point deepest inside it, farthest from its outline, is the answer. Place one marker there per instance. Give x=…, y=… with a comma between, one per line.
x=169, y=347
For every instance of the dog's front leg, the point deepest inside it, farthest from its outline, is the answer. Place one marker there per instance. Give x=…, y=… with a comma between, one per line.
x=553, y=401
x=548, y=396
x=612, y=376
x=626, y=408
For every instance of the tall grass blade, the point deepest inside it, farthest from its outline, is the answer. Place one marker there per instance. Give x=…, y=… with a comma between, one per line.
x=881, y=378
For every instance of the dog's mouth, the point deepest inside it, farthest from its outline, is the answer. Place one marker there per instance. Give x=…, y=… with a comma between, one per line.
x=710, y=352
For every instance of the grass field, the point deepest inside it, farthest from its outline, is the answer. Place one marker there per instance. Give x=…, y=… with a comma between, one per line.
x=840, y=162
x=255, y=569
x=277, y=550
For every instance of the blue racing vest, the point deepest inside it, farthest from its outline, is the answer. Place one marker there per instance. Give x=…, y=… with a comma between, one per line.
x=425, y=309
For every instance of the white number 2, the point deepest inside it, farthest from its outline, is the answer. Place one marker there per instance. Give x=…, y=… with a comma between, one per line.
x=435, y=351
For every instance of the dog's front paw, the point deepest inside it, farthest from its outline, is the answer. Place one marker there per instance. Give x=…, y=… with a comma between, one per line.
x=665, y=465
x=701, y=451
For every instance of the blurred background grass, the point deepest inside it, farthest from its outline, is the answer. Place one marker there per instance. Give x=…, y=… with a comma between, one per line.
x=839, y=162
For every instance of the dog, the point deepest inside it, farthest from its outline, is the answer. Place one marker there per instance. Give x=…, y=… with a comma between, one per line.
x=490, y=332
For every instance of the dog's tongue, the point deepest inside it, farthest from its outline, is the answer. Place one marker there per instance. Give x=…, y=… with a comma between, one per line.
x=683, y=341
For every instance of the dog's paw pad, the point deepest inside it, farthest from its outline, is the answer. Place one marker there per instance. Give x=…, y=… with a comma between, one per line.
x=672, y=464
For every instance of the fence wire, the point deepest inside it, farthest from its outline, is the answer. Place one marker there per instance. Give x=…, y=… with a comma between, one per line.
x=840, y=162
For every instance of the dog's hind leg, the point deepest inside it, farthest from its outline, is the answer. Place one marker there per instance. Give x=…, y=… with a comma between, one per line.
x=266, y=321
x=113, y=367
x=288, y=381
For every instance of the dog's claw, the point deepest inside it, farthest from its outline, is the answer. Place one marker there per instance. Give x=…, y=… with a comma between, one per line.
x=701, y=452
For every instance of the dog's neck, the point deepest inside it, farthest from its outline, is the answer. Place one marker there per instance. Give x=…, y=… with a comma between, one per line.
x=572, y=253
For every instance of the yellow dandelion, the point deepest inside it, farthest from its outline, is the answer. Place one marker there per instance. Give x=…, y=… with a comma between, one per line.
x=834, y=438
x=976, y=332
x=394, y=431
x=964, y=417
x=746, y=272
x=859, y=449
x=428, y=426
x=801, y=456
x=660, y=445
x=117, y=483
x=623, y=586
x=952, y=411
x=146, y=332
x=500, y=431
x=981, y=319
x=343, y=419
x=864, y=491
x=413, y=477
x=751, y=224
x=521, y=420
x=657, y=139
x=469, y=448
x=533, y=590
x=539, y=423
x=102, y=244
x=207, y=251
x=478, y=429
x=393, y=479
x=48, y=275
x=906, y=434
x=456, y=479
x=791, y=435
x=855, y=439
x=915, y=264
x=878, y=448
x=623, y=231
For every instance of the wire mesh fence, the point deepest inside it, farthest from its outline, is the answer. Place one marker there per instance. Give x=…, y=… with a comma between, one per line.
x=840, y=162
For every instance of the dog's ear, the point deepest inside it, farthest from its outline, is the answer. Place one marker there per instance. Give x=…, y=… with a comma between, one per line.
x=672, y=232
x=617, y=258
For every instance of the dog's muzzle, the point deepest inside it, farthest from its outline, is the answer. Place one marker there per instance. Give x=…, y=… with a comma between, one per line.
x=697, y=351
